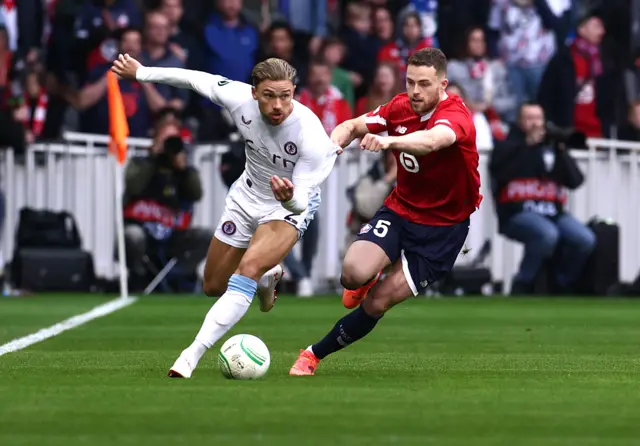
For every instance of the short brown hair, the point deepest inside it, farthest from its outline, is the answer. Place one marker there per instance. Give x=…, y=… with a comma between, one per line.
x=429, y=57
x=273, y=69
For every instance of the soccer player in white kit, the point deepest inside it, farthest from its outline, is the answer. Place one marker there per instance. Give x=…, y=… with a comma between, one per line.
x=265, y=212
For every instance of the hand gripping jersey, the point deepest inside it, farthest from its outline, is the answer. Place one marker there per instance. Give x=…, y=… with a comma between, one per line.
x=441, y=188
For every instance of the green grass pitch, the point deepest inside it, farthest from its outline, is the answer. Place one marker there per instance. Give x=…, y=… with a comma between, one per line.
x=443, y=372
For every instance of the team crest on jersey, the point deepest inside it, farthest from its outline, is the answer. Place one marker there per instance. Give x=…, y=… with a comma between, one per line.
x=223, y=82
x=229, y=227
x=366, y=228
x=291, y=148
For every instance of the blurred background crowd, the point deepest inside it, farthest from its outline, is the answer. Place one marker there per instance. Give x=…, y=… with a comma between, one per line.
x=518, y=64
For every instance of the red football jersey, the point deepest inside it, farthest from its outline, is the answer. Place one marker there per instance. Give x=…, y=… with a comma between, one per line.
x=441, y=188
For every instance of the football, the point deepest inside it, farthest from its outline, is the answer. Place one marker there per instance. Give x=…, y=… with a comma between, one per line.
x=244, y=356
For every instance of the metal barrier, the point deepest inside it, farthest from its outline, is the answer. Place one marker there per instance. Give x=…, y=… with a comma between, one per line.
x=77, y=176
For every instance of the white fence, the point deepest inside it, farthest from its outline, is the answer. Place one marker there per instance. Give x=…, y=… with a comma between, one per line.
x=77, y=176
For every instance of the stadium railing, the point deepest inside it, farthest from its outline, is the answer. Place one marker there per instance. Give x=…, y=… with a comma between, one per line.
x=76, y=175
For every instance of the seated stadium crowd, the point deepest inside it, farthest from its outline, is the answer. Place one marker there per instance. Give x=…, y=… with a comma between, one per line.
x=576, y=59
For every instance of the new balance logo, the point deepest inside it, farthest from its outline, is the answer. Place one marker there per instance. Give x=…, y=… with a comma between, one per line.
x=400, y=129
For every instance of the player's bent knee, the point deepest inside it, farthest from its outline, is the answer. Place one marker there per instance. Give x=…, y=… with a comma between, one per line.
x=376, y=306
x=252, y=268
x=353, y=278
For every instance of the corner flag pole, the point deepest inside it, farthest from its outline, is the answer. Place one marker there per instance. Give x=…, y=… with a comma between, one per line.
x=118, y=131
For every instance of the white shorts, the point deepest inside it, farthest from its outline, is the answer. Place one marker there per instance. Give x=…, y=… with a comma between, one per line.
x=244, y=212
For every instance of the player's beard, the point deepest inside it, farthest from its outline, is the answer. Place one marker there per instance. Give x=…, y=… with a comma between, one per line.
x=423, y=106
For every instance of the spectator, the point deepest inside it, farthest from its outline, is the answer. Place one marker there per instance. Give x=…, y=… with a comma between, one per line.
x=32, y=111
x=630, y=131
x=231, y=50
x=484, y=137
x=529, y=174
x=92, y=99
x=409, y=39
x=23, y=20
x=231, y=43
x=324, y=99
x=383, y=89
x=95, y=25
x=575, y=91
x=157, y=53
x=280, y=44
x=168, y=116
x=6, y=67
x=383, y=25
x=427, y=12
x=453, y=25
x=632, y=79
x=333, y=52
x=308, y=20
x=362, y=47
x=160, y=191
x=475, y=73
x=180, y=43
x=525, y=44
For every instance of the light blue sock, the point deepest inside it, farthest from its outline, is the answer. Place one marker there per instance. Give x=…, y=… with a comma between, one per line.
x=224, y=314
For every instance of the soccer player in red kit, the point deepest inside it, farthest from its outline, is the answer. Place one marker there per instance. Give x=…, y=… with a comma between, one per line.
x=423, y=224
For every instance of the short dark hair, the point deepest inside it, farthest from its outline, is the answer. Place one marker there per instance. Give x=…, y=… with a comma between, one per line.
x=429, y=57
x=280, y=25
x=318, y=62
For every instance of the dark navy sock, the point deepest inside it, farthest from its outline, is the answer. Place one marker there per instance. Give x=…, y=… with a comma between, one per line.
x=354, y=326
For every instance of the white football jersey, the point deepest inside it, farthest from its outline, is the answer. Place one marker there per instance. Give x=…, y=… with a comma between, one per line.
x=299, y=148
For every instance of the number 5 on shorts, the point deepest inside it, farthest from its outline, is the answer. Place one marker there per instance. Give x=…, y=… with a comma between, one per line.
x=382, y=228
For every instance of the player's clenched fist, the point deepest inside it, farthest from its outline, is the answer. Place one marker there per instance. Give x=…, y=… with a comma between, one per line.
x=374, y=143
x=282, y=188
x=126, y=66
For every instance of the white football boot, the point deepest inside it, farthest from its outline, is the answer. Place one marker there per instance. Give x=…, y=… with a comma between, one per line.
x=267, y=288
x=181, y=368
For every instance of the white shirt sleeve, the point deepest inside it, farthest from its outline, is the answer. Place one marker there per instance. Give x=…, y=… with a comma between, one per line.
x=317, y=158
x=222, y=91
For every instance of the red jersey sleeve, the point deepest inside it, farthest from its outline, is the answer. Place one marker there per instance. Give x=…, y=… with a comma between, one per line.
x=376, y=120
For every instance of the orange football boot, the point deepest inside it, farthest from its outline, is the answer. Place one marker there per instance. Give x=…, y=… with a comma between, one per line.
x=353, y=298
x=305, y=365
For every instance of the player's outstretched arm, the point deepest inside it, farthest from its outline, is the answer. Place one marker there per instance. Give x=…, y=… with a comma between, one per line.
x=424, y=141
x=345, y=133
x=205, y=84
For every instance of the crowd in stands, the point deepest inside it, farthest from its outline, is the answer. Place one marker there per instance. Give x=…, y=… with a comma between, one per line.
x=580, y=60
x=350, y=56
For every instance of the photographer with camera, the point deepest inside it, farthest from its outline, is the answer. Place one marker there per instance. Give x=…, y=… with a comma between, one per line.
x=529, y=173
x=160, y=192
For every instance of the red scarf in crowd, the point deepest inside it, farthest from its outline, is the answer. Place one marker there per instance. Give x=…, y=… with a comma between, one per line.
x=35, y=123
x=477, y=68
x=591, y=52
x=325, y=107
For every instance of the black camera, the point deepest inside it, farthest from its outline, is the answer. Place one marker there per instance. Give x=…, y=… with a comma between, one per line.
x=565, y=135
x=172, y=146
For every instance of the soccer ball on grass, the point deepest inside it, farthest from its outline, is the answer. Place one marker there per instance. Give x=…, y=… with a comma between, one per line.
x=244, y=356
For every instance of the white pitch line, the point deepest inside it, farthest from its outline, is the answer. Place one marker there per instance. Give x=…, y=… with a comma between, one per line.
x=67, y=324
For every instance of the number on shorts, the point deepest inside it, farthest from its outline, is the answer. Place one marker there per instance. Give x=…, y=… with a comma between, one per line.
x=291, y=220
x=409, y=162
x=382, y=227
